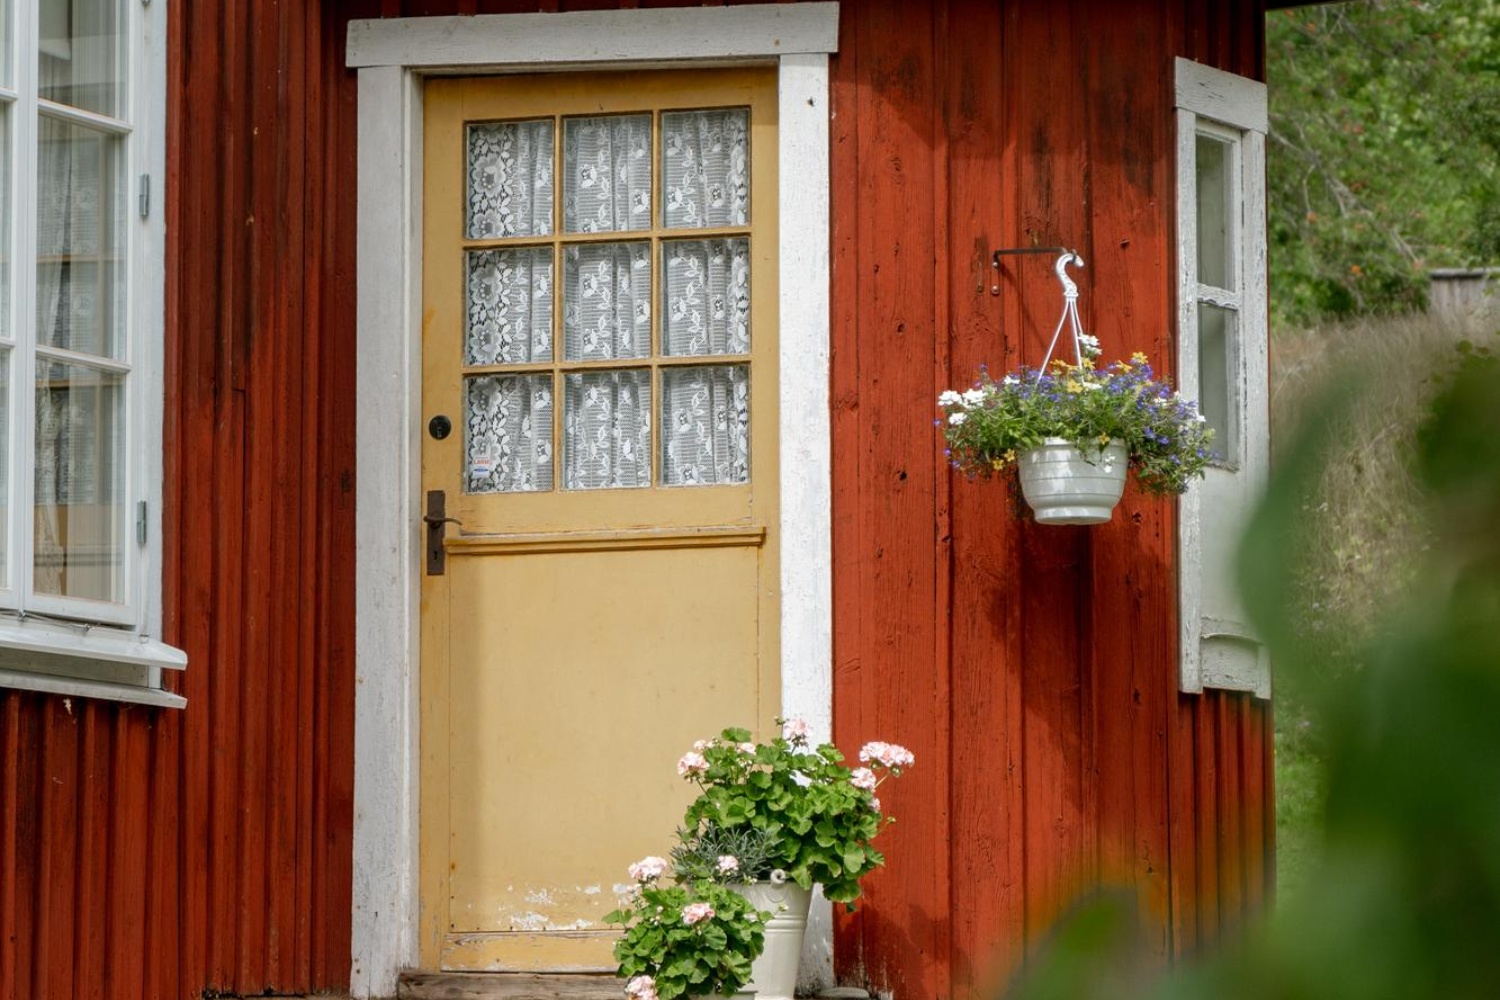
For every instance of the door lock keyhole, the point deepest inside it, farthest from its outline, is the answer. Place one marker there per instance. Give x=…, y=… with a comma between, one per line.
x=439, y=427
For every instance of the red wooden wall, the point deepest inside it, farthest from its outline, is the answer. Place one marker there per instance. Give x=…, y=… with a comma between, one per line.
x=148, y=853
x=155, y=853
x=1031, y=669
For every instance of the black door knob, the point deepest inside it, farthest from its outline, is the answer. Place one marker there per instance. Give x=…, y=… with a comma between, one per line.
x=439, y=427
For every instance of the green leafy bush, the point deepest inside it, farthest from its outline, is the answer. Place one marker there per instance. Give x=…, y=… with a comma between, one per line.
x=692, y=939
x=815, y=816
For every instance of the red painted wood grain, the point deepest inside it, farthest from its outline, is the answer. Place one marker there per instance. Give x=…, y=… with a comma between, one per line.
x=148, y=853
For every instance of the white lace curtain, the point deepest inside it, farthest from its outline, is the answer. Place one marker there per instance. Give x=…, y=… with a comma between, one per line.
x=607, y=302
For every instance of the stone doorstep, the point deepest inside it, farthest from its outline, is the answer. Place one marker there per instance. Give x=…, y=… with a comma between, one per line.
x=523, y=986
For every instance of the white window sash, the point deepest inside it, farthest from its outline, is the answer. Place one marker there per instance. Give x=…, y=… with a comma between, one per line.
x=1228, y=107
x=50, y=642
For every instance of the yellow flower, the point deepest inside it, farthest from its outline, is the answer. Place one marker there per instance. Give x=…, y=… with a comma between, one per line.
x=1073, y=385
x=1104, y=439
x=997, y=464
x=1010, y=455
x=1139, y=358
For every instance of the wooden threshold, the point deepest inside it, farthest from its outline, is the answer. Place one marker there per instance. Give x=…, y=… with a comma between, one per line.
x=507, y=986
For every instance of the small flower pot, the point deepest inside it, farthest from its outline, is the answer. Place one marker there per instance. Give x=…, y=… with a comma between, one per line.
x=774, y=974
x=1065, y=485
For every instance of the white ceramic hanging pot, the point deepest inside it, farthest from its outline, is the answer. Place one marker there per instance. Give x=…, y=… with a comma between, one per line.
x=1066, y=485
x=773, y=976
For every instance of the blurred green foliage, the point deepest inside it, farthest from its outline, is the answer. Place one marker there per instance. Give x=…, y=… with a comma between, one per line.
x=1404, y=901
x=1384, y=153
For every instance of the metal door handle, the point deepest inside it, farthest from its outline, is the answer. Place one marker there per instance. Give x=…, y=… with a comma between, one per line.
x=435, y=518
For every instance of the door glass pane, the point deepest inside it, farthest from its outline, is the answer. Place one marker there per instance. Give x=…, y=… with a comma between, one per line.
x=705, y=420
x=81, y=54
x=1216, y=264
x=510, y=180
x=706, y=167
x=706, y=297
x=79, y=517
x=607, y=429
x=508, y=433
x=509, y=307
x=606, y=301
x=1218, y=378
x=607, y=174
x=80, y=294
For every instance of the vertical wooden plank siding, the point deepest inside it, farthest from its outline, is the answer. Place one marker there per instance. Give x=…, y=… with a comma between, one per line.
x=1071, y=761
x=146, y=853
x=150, y=853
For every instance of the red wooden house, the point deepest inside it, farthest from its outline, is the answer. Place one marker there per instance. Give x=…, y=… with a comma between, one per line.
x=308, y=272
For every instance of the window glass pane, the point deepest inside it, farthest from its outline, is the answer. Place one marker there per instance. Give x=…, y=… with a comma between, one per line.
x=508, y=441
x=80, y=507
x=706, y=297
x=7, y=11
x=510, y=180
x=1218, y=378
x=5, y=232
x=606, y=301
x=82, y=60
x=607, y=174
x=5, y=357
x=706, y=167
x=607, y=429
x=80, y=295
x=705, y=421
x=509, y=307
x=1215, y=213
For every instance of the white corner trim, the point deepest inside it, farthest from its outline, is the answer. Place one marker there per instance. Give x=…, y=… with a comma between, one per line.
x=388, y=273
x=1222, y=97
x=392, y=55
x=806, y=486
x=592, y=37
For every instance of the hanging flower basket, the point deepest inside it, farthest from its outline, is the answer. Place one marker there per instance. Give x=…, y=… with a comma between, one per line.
x=1066, y=484
x=1068, y=432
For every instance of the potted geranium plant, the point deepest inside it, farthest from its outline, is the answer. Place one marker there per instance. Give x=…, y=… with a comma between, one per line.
x=774, y=819
x=694, y=938
x=1069, y=433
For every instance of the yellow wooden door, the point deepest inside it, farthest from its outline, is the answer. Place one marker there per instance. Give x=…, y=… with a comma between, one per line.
x=599, y=416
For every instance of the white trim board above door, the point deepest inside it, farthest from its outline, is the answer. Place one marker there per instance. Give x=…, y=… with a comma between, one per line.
x=393, y=56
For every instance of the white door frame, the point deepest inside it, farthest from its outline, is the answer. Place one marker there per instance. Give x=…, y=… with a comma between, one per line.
x=392, y=56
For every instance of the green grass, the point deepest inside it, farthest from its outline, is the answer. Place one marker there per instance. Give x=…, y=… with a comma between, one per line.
x=1299, y=804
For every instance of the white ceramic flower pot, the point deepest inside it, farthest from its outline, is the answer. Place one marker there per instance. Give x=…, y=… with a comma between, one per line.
x=1064, y=485
x=774, y=974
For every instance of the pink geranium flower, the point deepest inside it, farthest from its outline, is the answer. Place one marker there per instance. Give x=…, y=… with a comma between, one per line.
x=692, y=763
x=647, y=869
x=862, y=777
x=694, y=912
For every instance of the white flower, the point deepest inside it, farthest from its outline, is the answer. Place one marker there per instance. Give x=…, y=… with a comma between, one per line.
x=727, y=864
x=1089, y=345
x=950, y=398
x=957, y=418
x=1010, y=380
x=973, y=397
x=641, y=988
x=862, y=777
x=887, y=754
x=795, y=730
x=694, y=912
x=692, y=763
x=648, y=868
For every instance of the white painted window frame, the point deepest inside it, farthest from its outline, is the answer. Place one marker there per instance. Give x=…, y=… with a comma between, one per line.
x=392, y=57
x=69, y=646
x=1227, y=107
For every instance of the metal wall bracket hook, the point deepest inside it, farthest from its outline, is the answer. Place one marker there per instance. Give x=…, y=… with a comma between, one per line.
x=995, y=256
x=1070, y=290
